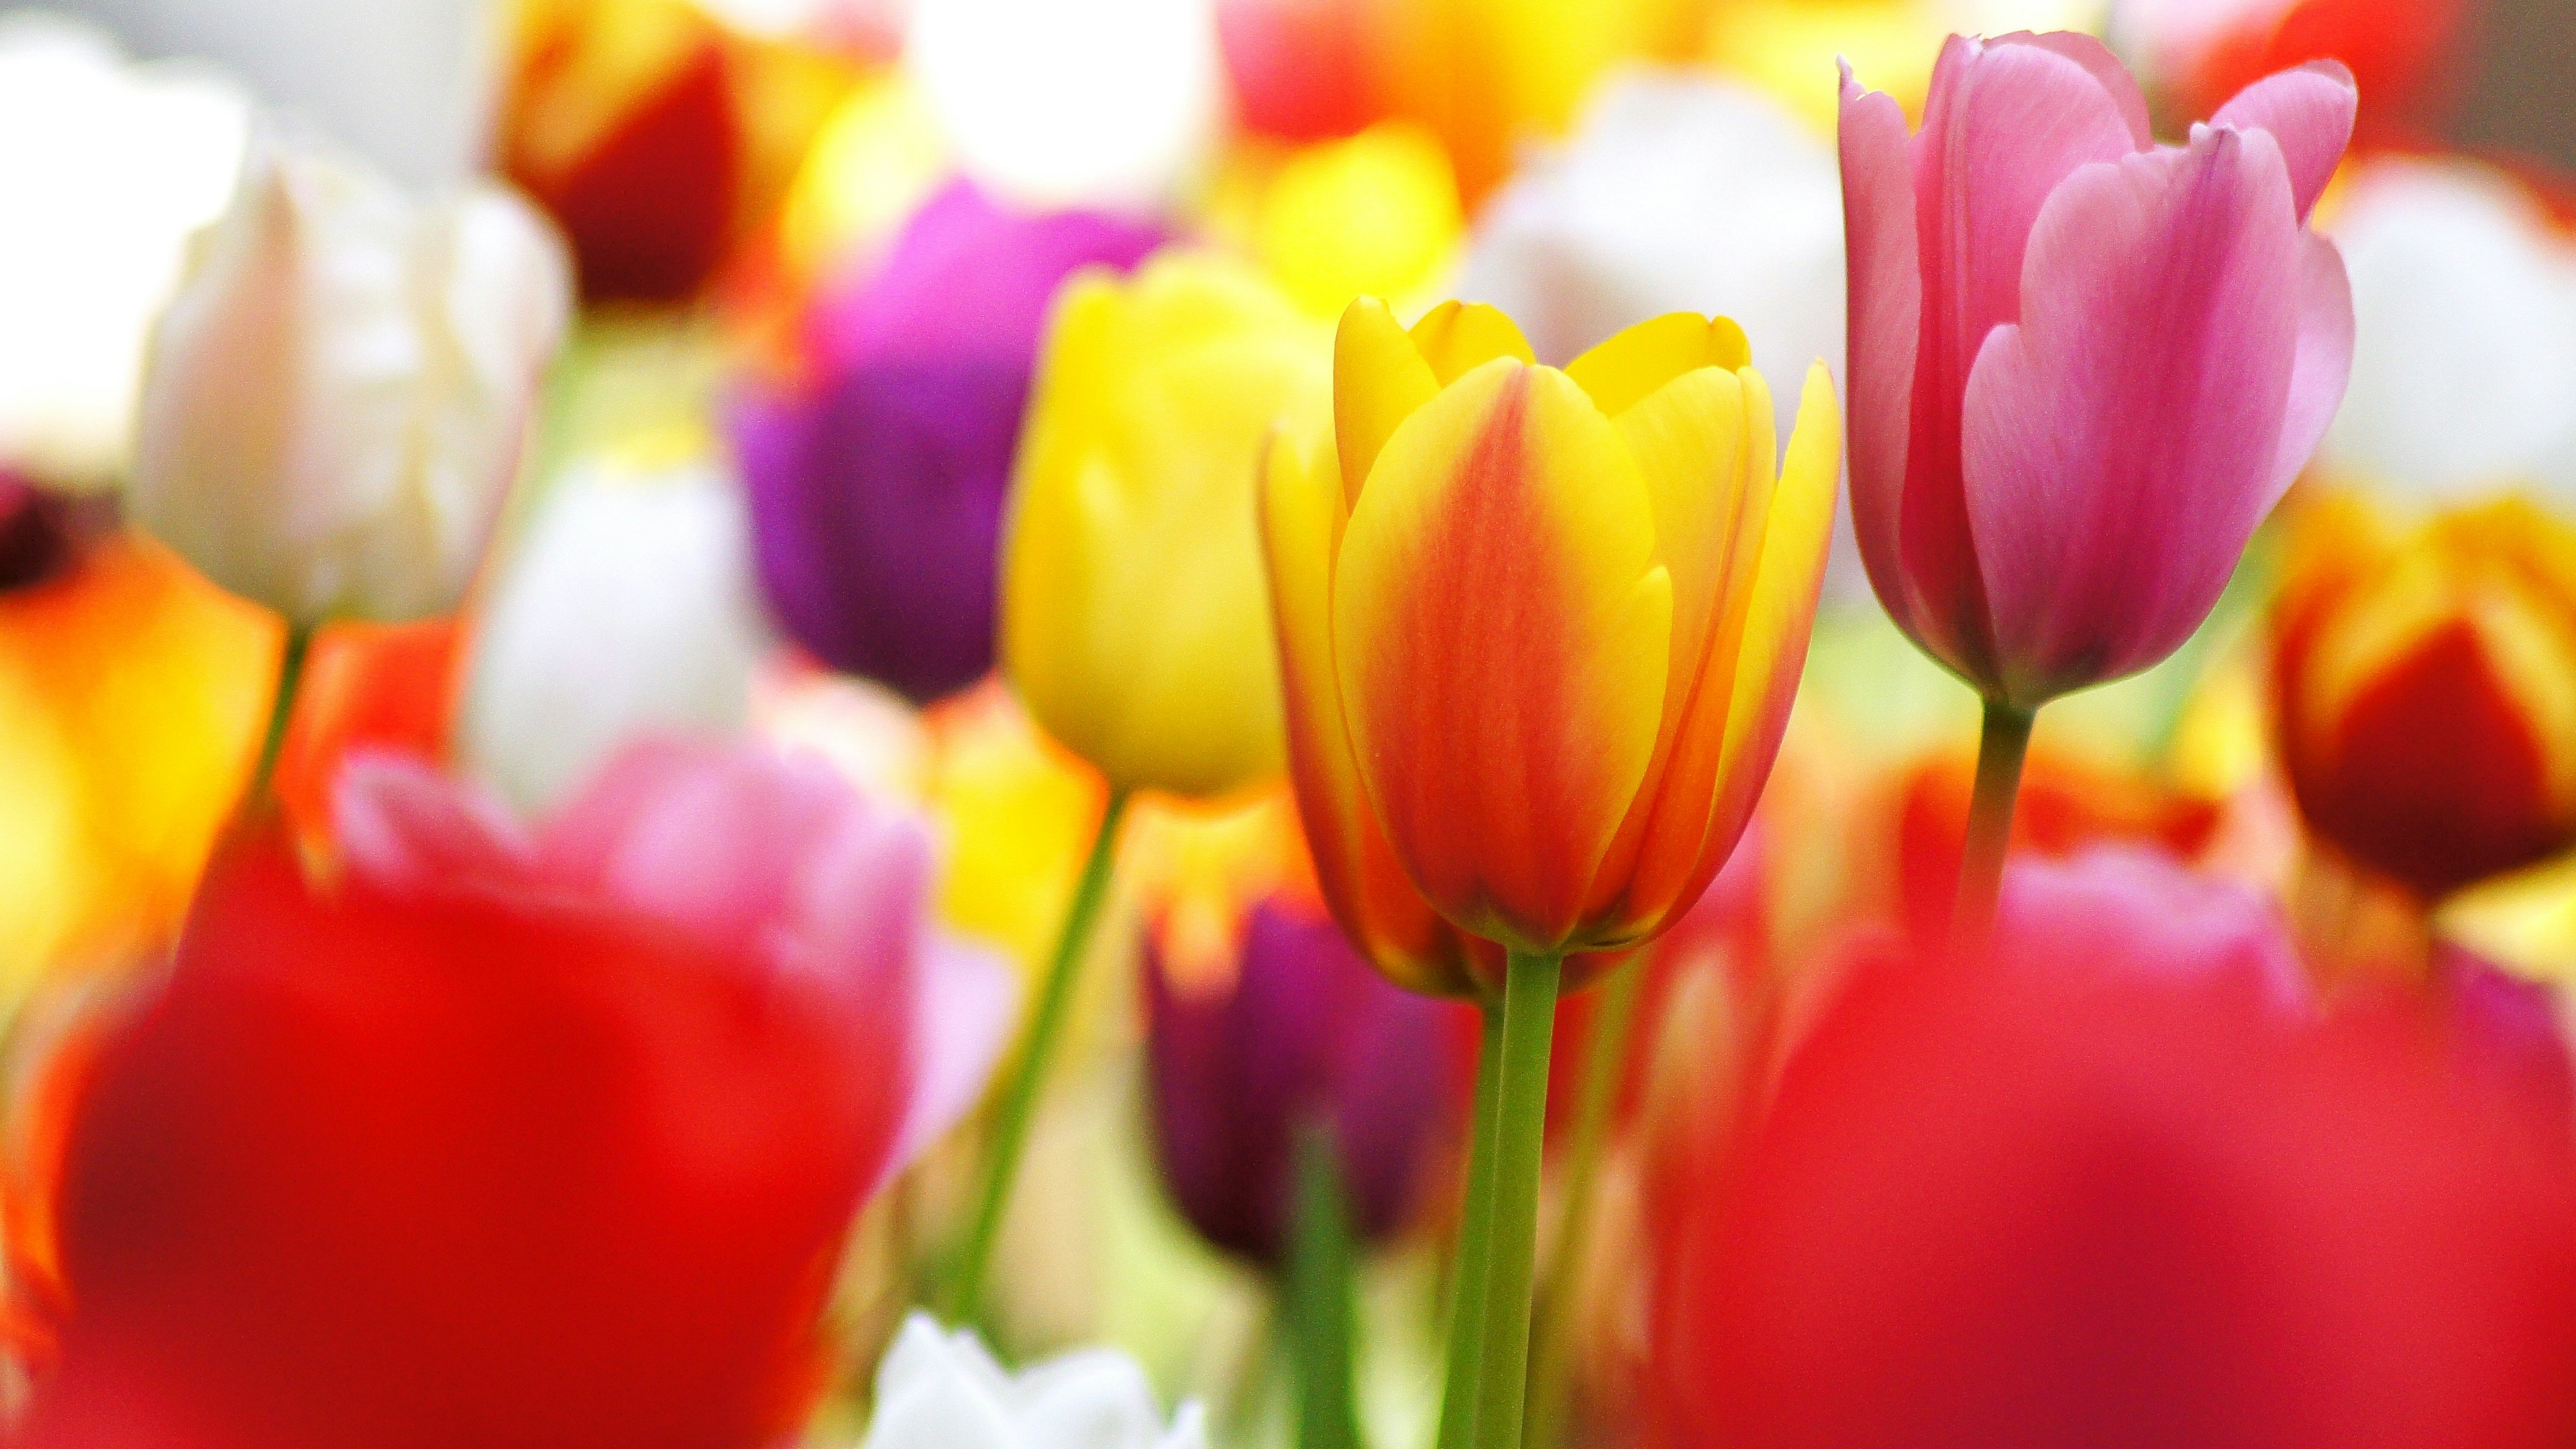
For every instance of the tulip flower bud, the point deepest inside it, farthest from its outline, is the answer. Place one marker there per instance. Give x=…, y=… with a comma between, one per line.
x=505, y=1137
x=2083, y=366
x=1304, y=1033
x=2425, y=687
x=336, y=399
x=1134, y=621
x=1540, y=627
x=877, y=480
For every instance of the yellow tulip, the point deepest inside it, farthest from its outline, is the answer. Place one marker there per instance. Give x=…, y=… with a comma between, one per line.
x=1135, y=622
x=1541, y=628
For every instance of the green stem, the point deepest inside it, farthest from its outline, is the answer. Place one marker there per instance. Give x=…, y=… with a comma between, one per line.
x=1019, y=1098
x=1475, y=1232
x=1613, y=1022
x=281, y=710
x=1520, y=1132
x=2000, y=749
x=1319, y=1297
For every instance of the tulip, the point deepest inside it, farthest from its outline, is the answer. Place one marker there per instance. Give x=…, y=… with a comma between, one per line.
x=2075, y=398
x=877, y=484
x=499, y=1138
x=1133, y=617
x=1304, y=1032
x=366, y=687
x=1299, y=68
x=2111, y=1192
x=655, y=136
x=2464, y=361
x=944, y=1390
x=2422, y=688
x=336, y=398
x=112, y=805
x=1541, y=628
x=133, y=160
x=2410, y=56
x=625, y=610
x=45, y=534
x=1374, y=214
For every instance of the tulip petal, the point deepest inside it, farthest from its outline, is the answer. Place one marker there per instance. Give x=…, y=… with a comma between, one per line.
x=1302, y=519
x=1501, y=628
x=1884, y=278
x=2324, y=366
x=2309, y=111
x=1456, y=338
x=1379, y=380
x=2105, y=68
x=402, y=825
x=962, y=1018
x=2120, y=442
x=1622, y=371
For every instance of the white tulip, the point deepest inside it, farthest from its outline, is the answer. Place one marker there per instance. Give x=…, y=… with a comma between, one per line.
x=626, y=608
x=2464, y=350
x=1679, y=192
x=336, y=400
x=107, y=169
x=943, y=1390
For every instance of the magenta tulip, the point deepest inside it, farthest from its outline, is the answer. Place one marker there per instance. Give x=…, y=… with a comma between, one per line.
x=2084, y=366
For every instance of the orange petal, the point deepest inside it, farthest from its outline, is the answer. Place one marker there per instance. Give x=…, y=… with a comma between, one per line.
x=1501, y=628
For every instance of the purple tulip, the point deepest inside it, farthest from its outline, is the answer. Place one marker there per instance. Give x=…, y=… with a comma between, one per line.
x=1306, y=1032
x=877, y=485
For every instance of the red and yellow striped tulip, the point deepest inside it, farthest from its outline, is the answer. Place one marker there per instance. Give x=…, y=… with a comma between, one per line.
x=1540, y=629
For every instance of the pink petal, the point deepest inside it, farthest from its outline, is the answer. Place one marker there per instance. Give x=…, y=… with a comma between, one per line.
x=2309, y=111
x=962, y=1018
x=1885, y=278
x=2324, y=364
x=2004, y=126
x=710, y=838
x=403, y=825
x=2105, y=67
x=2054, y=913
x=2121, y=441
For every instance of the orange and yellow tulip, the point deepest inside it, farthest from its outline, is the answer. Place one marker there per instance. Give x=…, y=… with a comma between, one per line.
x=2425, y=688
x=1540, y=629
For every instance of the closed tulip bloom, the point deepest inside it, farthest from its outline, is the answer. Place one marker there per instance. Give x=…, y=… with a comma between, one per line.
x=1543, y=627
x=2083, y=365
x=2109, y=1190
x=1134, y=621
x=1305, y=1033
x=509, y=1138
x=2425, y=689
x=336, y=399
x=877, y=480
x=625, y=609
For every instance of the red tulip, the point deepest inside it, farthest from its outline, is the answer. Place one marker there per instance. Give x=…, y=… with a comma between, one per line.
x=2113, y=1189
x=493, y=1139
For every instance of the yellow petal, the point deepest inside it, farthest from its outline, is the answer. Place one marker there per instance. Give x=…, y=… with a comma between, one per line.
x=1632, y=365
x=1456, y=338
x=1688, y=440
x=1379, y=379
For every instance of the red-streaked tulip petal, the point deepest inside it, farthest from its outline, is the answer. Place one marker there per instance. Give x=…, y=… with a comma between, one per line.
x=1501, y=628
x=2119, y=443
x=1302, y=519
x=2309, y=112
x=1379, y=380
x=1629, y=367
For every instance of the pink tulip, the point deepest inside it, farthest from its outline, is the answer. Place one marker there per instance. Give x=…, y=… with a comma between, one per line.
x=2084, y=366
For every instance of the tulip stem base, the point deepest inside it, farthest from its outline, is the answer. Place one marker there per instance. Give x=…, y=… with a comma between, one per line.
x=1019, y=1097
x=2000, y=751
x=281, y=712
x=1319, y=1296
x=1475, y=1234
x=1530, y=985
x=1614, y=1020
